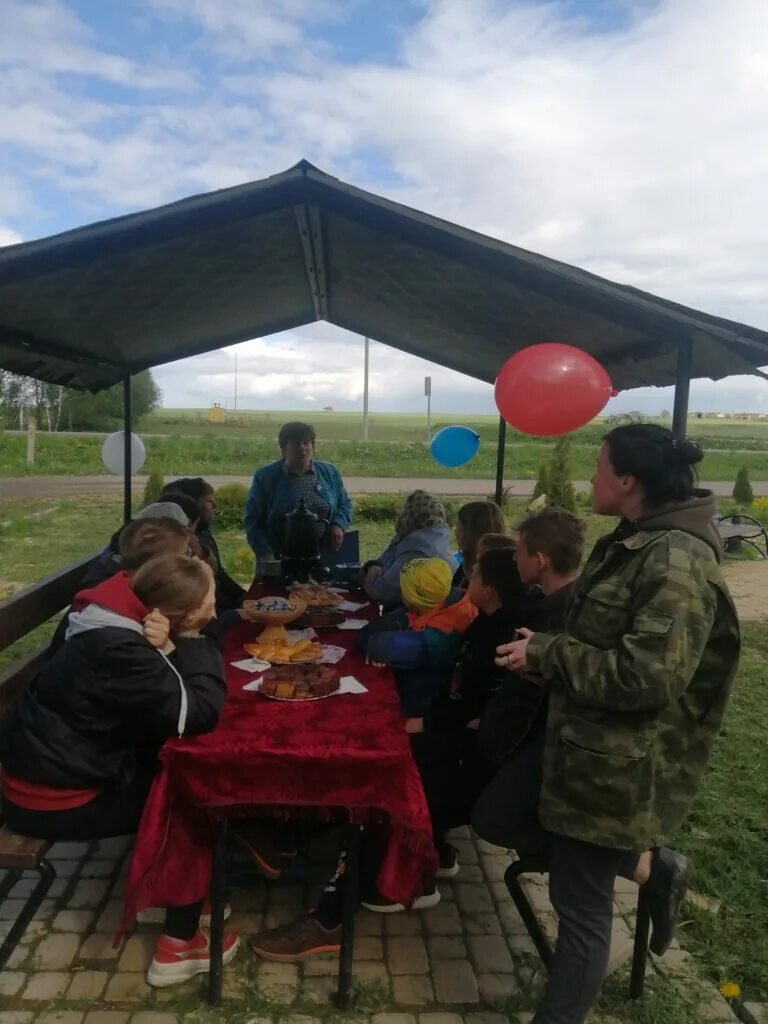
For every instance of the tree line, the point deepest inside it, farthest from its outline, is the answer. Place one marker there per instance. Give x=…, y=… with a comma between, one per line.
x=53, y=407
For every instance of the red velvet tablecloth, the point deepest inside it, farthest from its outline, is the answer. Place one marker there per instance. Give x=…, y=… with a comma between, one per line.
x=347, y=751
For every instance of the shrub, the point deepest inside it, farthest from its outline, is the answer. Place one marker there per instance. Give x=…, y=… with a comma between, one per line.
x=760, y=509
x=153, y=486
x=385, y=508
x=242, y=565
x=561, y=490
x=542, y=481
x=742, y=489
x=230, y=504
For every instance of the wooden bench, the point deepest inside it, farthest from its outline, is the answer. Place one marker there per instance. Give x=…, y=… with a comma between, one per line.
x=539, y=866
x=19, y=615
x=738, y=528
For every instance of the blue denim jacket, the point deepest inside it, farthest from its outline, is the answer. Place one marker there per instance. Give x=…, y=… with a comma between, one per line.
x=273, y=495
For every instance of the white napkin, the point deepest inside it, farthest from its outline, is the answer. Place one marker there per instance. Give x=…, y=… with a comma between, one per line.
x=347, y=684
x=251, y=665
x=351, y=606
x=352, y=624
x=301, y=634
x=332, y=654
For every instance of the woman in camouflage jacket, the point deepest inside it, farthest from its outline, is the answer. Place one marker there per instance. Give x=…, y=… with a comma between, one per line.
x=639, y=682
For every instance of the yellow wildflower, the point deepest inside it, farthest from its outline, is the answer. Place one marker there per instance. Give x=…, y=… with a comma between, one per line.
x=730, y=990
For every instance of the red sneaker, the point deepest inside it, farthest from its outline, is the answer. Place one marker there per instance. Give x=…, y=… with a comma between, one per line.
x=177, y=960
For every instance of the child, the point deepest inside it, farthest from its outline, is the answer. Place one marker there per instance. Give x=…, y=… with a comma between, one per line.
x=422, y=642
x=474, y=520
x=79, y=750
x=548, y=554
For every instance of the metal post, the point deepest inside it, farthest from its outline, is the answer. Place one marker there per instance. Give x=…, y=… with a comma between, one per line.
x=351, y=900
x=235, y=409
x=218, y=900
x=428, y=393
x=500, y=453
x=127, y=448
x=682, y=389
x=365, y=389
x=31, y=427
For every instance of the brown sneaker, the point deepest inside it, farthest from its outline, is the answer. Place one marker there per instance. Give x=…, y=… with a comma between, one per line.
x=297, y=941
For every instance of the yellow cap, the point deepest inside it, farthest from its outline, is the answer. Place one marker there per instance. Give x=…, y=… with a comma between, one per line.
x=425, y=582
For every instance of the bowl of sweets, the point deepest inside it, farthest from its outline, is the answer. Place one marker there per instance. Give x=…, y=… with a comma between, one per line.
x=275, y=611
x=299, y=683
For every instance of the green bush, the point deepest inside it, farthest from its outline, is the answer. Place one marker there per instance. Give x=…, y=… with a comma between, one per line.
x=542, y=481
x=561, y=490
x=153, y=486
x=742, y=489
x=230, y=505
x=385, y=508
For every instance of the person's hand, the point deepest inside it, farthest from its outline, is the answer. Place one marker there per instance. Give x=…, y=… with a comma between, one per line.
x=372, y=574
x=336, y=537
x=414, y=725
x=375, y=664
x=514, y=656
x=157, y=630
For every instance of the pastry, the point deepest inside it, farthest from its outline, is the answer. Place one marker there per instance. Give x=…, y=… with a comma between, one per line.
x=316, y=596
x=298, y=682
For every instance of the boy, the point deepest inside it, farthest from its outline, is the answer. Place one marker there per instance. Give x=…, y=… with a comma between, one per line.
x=422, y=642
x=512, y=728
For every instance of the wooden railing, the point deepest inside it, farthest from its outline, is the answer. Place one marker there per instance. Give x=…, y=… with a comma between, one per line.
x=25, y=611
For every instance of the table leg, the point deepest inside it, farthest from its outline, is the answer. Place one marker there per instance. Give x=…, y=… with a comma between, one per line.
x=349, y=909
x=218, y=901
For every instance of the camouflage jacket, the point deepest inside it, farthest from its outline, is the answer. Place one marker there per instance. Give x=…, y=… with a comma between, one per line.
x=639, y=682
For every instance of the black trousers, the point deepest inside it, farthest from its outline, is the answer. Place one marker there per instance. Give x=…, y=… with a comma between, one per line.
x=581, y=883
x=111, y=813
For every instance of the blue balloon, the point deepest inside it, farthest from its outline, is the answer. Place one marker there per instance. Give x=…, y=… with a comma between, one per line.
x=454, y=446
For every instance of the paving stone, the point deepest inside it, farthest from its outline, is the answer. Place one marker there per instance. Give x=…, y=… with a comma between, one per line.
x=98, y=869
x=56, y=951
x=446, y=947
x=622, y=945
x=66, y=868
x=494, y=866
x=755, y=1013
x=112, y=848
x=88, y=893
x=473, y=899
x=465, y=850
x=319, y=990
x=369, y=947
x=368, y=923
x=61, y=1017
x=485, y=847
x=11, y=982
x=138, y=953
x=491, y=954
x=301, y=1018
x=99, y=948
x=318, y=966
x=69, y=851
x=87, y=985
x=17, y=957
x=412, y=989
x=487, y=1017
x=442, y=920
x=15, y=1017
x=106, y=1017
x=393, y=1018
x=407, y=954
x=110, y=917
x=127, y=987
x=46, y=985
x=403, y=924
x=482, y=924
x=77, y=922
x=440, y=1018
x=455, y=982
x=497, y=986
x=500, y=892
x=370, y=971
x=10, y=909
x=279, y=982
x=152, y=1017
x=463, y=832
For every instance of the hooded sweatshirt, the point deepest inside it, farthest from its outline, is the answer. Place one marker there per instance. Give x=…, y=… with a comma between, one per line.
x=427, y=542
x=99, y=711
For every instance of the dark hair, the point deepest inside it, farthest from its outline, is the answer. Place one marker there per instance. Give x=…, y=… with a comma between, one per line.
x=498, y=570
x=294, y=433
x=556, y=533
x=193, y=486
x=477, y=518
x=174, y=584
x=186, y=503
x=661, y=464
x=492, y=541
x=144, y=539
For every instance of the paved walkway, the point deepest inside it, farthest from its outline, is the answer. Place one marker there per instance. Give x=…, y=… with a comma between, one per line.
x=66, y=486
x=466, y=961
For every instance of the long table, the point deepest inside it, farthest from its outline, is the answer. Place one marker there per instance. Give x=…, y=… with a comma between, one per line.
x=347, y=753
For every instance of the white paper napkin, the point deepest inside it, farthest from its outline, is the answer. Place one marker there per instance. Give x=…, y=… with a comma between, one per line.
x=352, y=624
x=332, y=654
x=301, y=634
x=251, y=665
x=347, y=684
x=351, y=606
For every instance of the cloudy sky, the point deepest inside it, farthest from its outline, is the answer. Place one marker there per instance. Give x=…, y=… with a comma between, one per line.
x=629, y=137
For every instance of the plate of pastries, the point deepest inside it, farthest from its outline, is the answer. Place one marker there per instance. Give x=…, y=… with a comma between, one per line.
x=299, y=683
x=281, y=650
x=315, y=596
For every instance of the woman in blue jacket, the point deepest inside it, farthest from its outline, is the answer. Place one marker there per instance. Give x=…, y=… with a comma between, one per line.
x=278, y=487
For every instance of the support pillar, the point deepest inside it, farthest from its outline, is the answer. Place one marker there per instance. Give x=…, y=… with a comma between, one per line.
x=682, y=390
x=500, y=453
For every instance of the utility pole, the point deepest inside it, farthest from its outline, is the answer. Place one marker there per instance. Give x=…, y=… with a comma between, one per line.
x=365, y=389
x=235, y=382
x=428, y=393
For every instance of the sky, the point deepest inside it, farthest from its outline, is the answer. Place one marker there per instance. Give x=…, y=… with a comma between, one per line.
x=629, y=137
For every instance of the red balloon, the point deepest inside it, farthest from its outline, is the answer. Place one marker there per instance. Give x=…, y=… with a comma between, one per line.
x=551, y=389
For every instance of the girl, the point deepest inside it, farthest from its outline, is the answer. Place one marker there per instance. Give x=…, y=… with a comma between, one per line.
x=475, y=519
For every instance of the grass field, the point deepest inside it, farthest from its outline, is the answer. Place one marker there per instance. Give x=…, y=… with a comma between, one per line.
x=189, y=445
x=727, y=834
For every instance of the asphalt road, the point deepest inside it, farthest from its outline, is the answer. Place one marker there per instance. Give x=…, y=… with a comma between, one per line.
x=68, y=486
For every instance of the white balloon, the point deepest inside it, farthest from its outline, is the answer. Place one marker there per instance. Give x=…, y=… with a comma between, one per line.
x=113, y=453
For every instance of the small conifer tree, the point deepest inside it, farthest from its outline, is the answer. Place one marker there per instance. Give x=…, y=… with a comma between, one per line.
x=561, y=490
x=542, y=481
x=153, y=487
x=742, y=489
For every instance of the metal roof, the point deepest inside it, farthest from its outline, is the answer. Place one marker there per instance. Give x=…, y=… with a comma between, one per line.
x=88, y=306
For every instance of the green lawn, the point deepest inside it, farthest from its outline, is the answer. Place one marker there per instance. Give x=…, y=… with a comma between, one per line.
x=727, y=834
